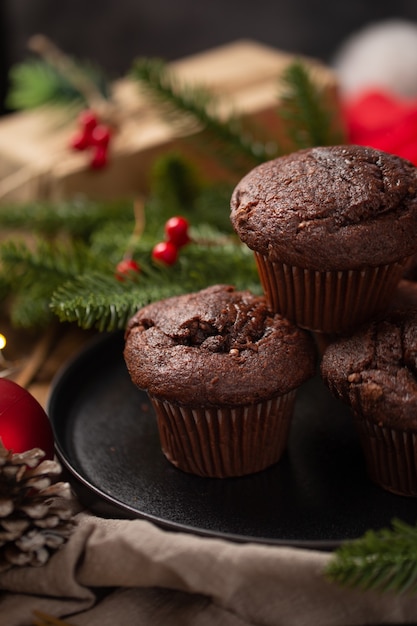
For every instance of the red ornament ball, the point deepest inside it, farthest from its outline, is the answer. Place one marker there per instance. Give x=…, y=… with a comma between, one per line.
x=23, y=422
x=176, y=231
x=165, y=252
x=126, y=268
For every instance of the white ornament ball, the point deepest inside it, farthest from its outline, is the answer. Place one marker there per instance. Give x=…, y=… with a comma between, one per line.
x=381, y=55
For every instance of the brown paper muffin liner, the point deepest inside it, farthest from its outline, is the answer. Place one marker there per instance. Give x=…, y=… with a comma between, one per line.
x=390, y=455
x=327, y=302
x=222, y=441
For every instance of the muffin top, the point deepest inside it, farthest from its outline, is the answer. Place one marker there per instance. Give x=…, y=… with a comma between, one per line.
x=217, y=346
x=375, y=370
x=329, y=208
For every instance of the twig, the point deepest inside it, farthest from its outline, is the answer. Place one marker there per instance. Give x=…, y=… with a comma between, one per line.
x=65, y=65
x=38, y=357
x=51, y=53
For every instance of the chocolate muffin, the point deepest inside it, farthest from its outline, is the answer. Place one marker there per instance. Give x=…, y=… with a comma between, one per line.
x=375, y=372
x=221, y=371
x=331, y=229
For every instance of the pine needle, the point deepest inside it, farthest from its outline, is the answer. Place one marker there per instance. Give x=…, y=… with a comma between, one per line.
x=36, y=82
x=69, y=270
x=308, y=119
x=175, y=183
x=20, y=259
x=384, y=560
x=95, y=300
x=191, y=109
x=34, y=272
x=79, y=218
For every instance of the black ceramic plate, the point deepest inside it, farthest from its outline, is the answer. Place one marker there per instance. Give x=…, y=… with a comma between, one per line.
x=317, y=495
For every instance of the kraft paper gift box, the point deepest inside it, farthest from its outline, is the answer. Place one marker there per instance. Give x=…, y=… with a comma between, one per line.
x=37, y=163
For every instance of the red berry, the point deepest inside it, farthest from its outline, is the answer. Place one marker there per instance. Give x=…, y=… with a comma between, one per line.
x=83, y=139
x=100, y=135
x=176, y=231
x=80, y=141
x=99, y=158
x=165, y=252
x=126, y=268
x=88, y=120
x=24, y=424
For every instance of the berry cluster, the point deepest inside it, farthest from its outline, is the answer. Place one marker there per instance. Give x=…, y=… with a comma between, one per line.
x=176, y=236
x=92, y=135
x=165, y=252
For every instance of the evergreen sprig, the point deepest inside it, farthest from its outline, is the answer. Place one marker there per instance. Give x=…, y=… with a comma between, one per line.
x=384, y=560
x=32, y=272
x=95, y=300
x=79, y=218
x=36, y=82
x=193, y=108
x=309, y=121
x=69, y=271
x=178, y=186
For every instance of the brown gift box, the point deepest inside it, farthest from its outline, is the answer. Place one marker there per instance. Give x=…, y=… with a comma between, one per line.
x=36, y=162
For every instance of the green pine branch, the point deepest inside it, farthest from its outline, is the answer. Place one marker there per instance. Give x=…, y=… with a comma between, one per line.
x=193, y=108
x=384, y=560
x=80, y=243
x=50, y=258
x=73, y=277
x=96, y=300
x=37, y=82
x=32, y=273
x=178, y=188
x=80, y=218
x=175, y=182
x=308, y=119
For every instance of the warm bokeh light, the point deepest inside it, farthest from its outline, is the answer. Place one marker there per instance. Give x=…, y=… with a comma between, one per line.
x=2, y=341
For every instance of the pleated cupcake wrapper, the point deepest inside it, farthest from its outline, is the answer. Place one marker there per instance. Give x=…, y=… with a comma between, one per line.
x=328, y=302
x=391, y=456
x=224, y=442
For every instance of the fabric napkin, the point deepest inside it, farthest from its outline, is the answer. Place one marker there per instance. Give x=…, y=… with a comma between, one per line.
x=128, y=572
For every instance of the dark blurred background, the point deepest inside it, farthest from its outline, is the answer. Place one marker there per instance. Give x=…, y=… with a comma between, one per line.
x=113, y=32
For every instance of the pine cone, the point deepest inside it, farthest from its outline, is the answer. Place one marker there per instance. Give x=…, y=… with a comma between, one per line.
x=36, y=514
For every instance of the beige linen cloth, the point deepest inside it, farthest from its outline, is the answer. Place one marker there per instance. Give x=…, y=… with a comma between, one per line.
x=130, y=572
